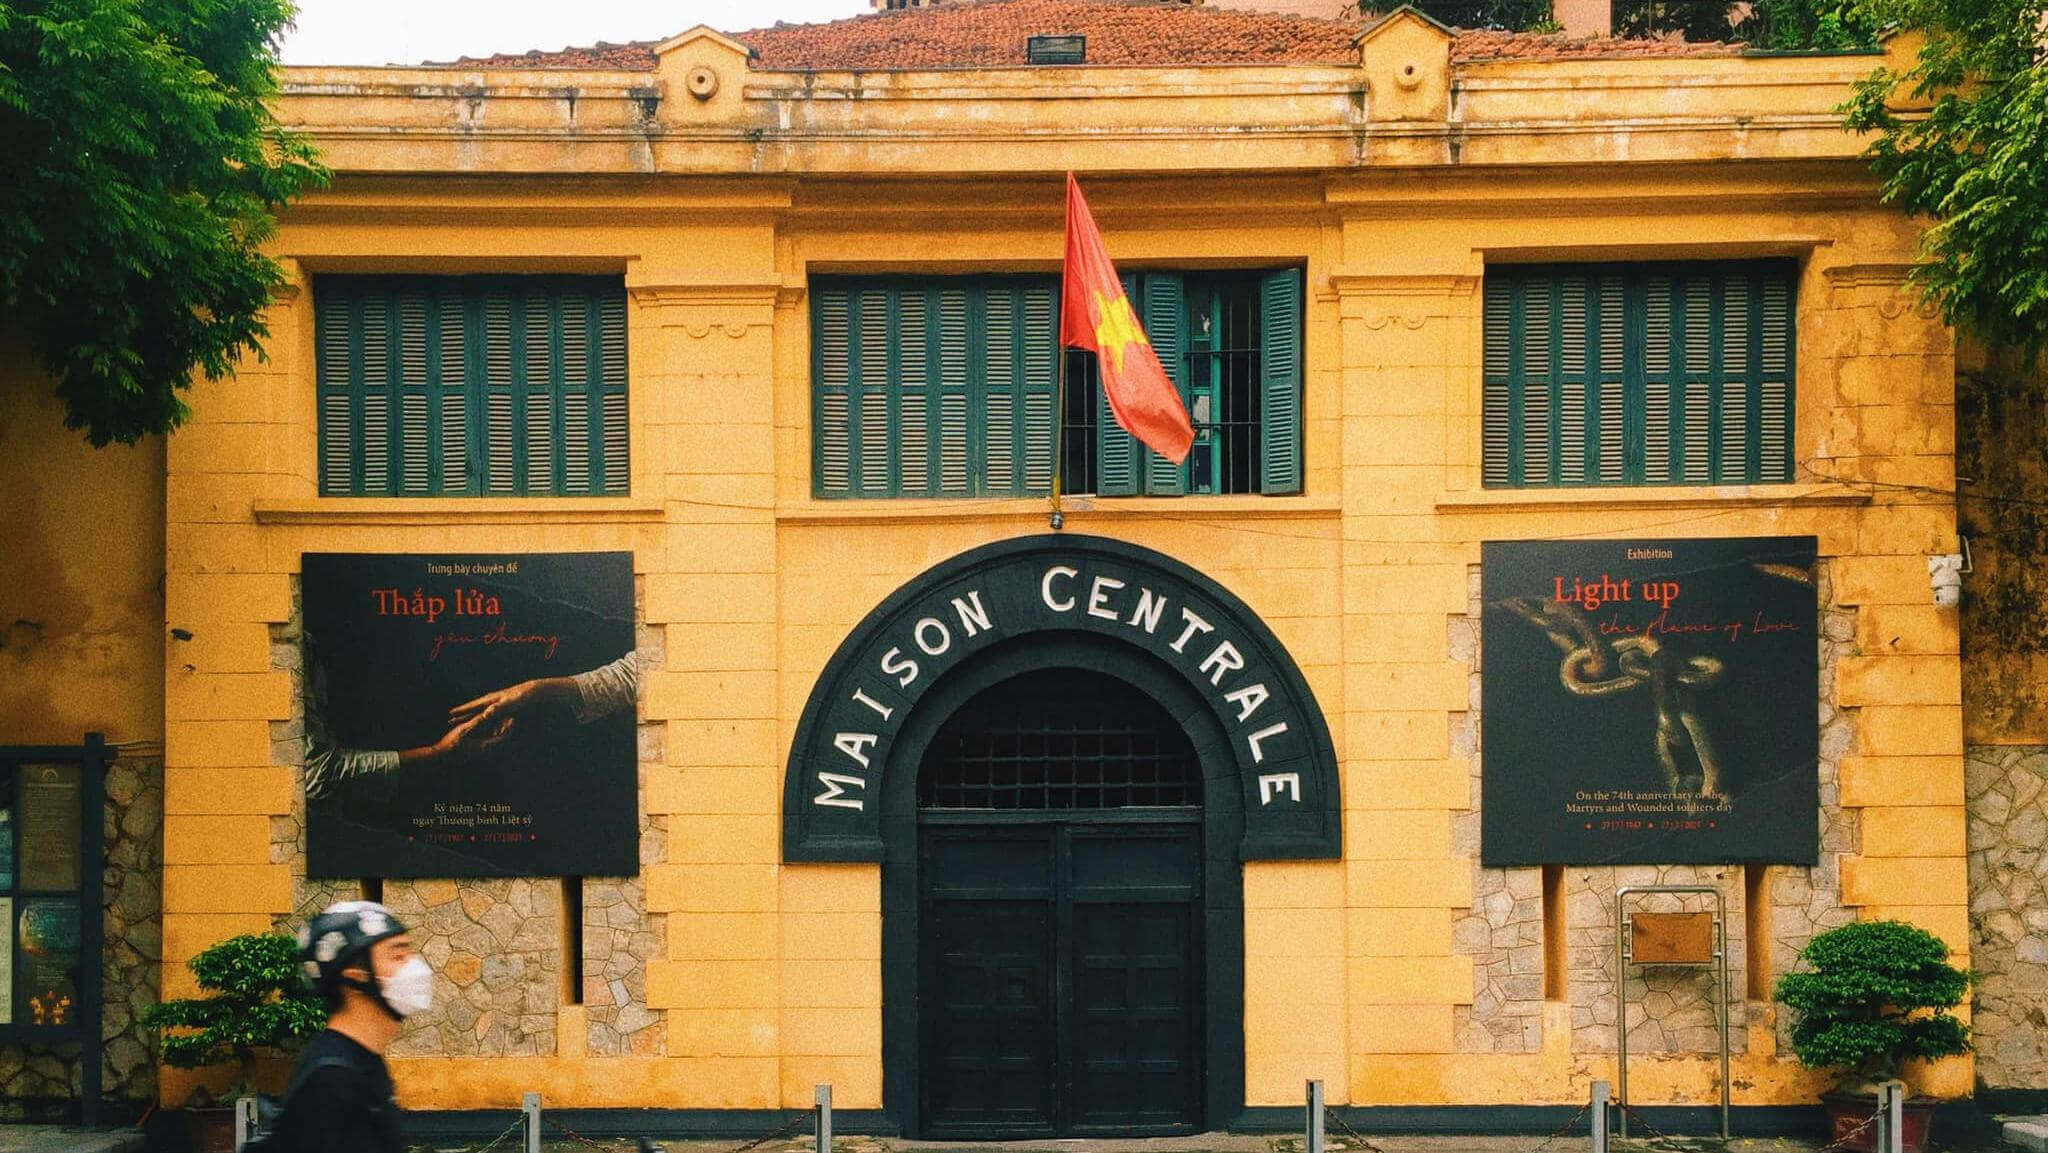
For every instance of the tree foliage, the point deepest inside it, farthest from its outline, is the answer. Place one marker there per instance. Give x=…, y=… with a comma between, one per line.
x=1873, y=994
x=1975, y=162
x=258, y=1000
x=143, y=166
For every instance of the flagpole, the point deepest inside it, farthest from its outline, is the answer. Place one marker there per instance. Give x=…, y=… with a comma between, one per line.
x=1059, y=440
x=1058, y=519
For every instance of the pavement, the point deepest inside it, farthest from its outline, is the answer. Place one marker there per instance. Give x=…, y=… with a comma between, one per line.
x=1200, y=1143
x=65, y=1139
x=2028, y=1133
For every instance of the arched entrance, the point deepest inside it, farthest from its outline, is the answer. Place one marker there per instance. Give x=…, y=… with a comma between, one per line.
x=1060, y=749
x=1059, y=882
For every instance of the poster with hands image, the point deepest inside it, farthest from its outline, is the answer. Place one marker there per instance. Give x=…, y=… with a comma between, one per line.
x=469, y=715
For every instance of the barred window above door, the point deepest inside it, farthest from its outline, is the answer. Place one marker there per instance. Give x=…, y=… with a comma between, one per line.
x=471, y=385
x=1643, y=374
x=946, y=386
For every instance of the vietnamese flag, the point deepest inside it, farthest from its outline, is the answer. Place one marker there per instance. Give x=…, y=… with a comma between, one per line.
x=1095, y=314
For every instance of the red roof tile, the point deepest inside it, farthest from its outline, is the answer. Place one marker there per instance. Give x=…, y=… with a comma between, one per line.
x=1130, y=33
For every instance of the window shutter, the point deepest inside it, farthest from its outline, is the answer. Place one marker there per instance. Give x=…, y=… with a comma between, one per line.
x=375, y=430
x=1610, y=339
x=955, y=452
x=537, y=399
x=1280, y=382
x=1693, y=355
x=1773, y=404
x=450, y=370
x=613, y=431
x=873, y=458
x=500, y=454
x=1646, y=374
x=340, y=380
x=832, y=375
x=414, y=436
x=999, y=391
x=913, y=392
x=434, y=385
x=1038, y=371
x=1657, y=368
x=1538, y=380
x=1572, y=418
x=1166, y=327
x=1496, y=437
x=1116, y=451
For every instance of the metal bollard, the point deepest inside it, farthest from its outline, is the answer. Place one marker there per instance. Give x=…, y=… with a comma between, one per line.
x=1315, y=1117
x=824, y=1099
x=529, y=1107
x=1598, y=1109
x=1891, y=1120
x=245, y=1120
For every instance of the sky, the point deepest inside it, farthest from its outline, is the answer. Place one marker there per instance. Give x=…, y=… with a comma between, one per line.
x=411, y=31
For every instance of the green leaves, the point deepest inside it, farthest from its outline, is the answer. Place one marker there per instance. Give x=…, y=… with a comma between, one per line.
x=1975, y=163
x=145, y=169
x=1875, y=993
x=259, y=1001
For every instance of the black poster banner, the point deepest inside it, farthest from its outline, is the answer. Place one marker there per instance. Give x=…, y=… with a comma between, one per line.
x=470, y=716
x=1650, y=702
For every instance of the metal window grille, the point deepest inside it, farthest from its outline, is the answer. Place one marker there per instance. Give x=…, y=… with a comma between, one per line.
x=1220, y=371
x=1060, y=739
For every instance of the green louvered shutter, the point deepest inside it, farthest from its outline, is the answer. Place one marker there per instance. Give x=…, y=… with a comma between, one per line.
x=953, y=340
x=929, y=388
x=436, y=386
x=1280, y=382
x=1038, y=361
x=832, y=390
x=1116, y=451
x=1638, y=374
x=1166, y=327
x=910, y=340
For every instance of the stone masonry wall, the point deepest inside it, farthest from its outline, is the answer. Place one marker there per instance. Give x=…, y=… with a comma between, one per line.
x=2008, y=843
x=1671, y=1010
x=36, y=1083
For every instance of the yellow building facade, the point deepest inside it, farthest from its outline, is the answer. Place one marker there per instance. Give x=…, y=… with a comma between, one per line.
x=722, y=195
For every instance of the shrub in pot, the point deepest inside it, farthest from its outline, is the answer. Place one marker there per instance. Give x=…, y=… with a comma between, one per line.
x=257, y=1000
x=1871, y=995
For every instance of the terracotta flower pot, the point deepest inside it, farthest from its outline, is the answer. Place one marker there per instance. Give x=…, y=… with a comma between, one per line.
x=212, y=1128
x=1849, y=1112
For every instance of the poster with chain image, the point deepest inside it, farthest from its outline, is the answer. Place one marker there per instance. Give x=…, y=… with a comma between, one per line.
x=470, y=715
x=1649, y=702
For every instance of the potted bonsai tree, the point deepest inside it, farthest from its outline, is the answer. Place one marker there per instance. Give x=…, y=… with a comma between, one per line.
x=1873, y=994
x=257, y=1000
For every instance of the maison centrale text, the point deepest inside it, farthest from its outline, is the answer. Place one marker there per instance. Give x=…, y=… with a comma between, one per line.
x=1145, y=614
x=458, y=602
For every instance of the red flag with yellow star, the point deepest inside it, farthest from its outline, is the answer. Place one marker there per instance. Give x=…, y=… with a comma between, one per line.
x=1095, y=314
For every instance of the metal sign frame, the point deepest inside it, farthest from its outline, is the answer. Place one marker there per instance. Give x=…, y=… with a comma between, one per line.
x=1622, y=961
x=92, y=757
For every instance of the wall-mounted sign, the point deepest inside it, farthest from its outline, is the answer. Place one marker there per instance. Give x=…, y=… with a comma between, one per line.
x=1650, y=702
x=1151, y=611
x=470, y=715
x=49, y=826
x=48, y=941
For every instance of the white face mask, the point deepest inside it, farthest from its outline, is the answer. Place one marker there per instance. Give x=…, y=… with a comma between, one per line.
x=411, y=989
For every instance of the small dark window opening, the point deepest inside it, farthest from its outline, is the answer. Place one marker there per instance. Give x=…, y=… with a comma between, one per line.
x=1056, y=49
x=1060, y=739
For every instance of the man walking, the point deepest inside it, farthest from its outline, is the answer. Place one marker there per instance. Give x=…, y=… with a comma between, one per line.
x=361, y=961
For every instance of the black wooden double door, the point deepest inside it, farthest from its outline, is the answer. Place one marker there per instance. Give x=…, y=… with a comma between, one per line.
x=1060, y=978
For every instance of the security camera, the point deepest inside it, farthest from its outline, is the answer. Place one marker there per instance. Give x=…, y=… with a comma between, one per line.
x=1945, y=573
